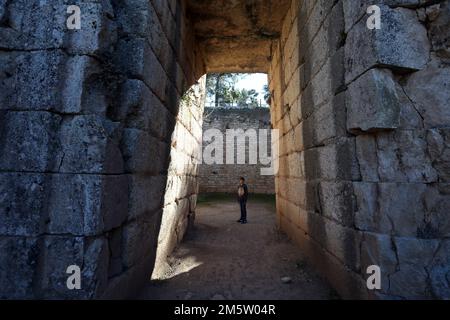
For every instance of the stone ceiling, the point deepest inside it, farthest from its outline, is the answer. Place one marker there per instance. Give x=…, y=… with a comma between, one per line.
x=236, y=35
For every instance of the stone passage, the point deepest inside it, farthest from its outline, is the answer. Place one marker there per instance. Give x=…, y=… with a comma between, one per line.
x=94, y=122
x=225, y=178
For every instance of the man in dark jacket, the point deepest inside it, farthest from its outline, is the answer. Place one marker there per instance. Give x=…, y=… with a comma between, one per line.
x=242, y=199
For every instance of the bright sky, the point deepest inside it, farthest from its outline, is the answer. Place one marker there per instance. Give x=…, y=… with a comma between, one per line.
x=250, y=81
x=255, y=81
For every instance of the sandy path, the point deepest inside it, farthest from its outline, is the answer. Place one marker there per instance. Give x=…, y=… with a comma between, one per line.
x=222, y=259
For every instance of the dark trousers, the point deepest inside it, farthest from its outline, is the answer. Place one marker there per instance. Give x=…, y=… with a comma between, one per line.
x=243, y=204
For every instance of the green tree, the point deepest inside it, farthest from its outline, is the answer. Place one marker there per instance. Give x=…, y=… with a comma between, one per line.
x=267, y=94
x=221, y=86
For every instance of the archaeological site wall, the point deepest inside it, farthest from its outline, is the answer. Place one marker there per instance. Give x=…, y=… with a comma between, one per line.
x=95, y=124
x=364, y=162
x=86, y=124
x=224, y=178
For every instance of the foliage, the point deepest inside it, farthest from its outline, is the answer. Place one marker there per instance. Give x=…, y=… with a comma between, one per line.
x=222, y=86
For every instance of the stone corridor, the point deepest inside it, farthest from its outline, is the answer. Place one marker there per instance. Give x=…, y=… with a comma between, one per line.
x=101, y=128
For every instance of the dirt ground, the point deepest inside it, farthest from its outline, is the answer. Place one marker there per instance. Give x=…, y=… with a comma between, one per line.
x=224, y=260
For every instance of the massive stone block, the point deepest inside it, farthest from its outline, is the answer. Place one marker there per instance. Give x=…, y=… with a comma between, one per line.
x=439, y=150
x=18, y=263
x=400, y=44
x=22, y=203
x=43, y=27
x=77, y=83
x=402, y=209
x=87, y=204
x=399, y=156
x=29, y=141
x=432, y=104
x=59, y=252
x=139, y=239
x=372, y=103
x=144, y=153
x=90, y=144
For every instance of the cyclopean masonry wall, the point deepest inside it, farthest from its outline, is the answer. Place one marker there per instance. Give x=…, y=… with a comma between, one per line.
x=225, y=178
x=87, y=120
x=364, y=162
x=86, y=123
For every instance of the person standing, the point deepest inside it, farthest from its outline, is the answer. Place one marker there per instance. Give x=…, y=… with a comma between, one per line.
x=242, y=199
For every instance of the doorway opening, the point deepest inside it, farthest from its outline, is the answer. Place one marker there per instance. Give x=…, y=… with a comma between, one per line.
x=216, y=257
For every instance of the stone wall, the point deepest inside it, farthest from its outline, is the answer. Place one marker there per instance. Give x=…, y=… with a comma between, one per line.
x=225, y=178
x=86, y=135
x=86, y=118
x=180, y=197
x=364, y=149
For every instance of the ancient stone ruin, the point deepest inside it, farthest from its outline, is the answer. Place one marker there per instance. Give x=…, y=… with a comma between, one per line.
x=99, y=129
x=223, y=178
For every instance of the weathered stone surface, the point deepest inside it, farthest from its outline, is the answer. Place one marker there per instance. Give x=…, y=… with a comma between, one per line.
x=340, y=241
x=400, y=44
x=330, y=162
x=87, y=204
x=327, y=122
x=18, y=263
x=146, y=194
x=91, y=255
x=236, y=36
x=431, y=103
x=90, y=144
x=143, y=153
x=143, y=65
x=439, y=271
x=336, y=201
x=372, y=103
x=141, y=109
x=44, y=27
x=403, y=261
x=400, y=156
x=140, y=238
x=440, y=28
x=22, y=203
x=377, y=249
x=439, y=149
x=29, y=141
x=407, y=209
x=412, y=278
x=51, y=81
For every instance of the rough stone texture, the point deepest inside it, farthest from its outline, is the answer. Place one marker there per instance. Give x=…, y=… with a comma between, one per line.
x=381, y=197
x=242, y=29
x=181, y=190
x=90, y=119
x=225, y=178
x=373, y=103
x=401, y=43
x=86, y=122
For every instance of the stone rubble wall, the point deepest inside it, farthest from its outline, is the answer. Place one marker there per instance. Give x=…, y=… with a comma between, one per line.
x=365, y=161
x=223, y=178
x=86, y=118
